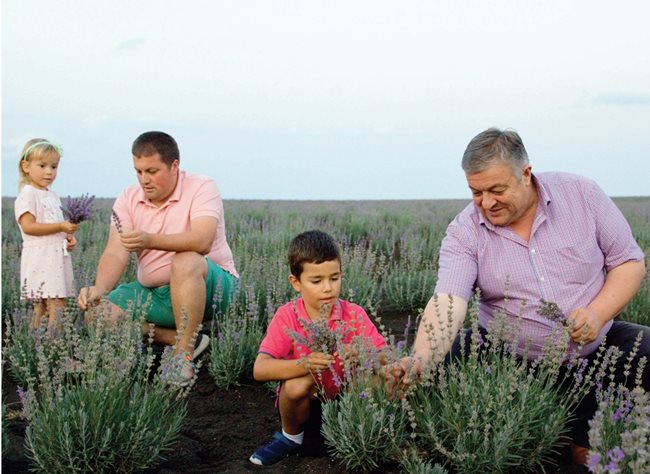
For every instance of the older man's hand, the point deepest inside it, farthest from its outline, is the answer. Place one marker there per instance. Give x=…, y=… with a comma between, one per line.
x=585, y=325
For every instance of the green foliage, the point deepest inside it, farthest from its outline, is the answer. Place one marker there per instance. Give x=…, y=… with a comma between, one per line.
x=364, y=428
x=20, y=346
x=234, y=344
x=90, y=404
x=638, y=310
x=104, y=427
x=619, y=433
x=490, y=412
x=412, y=463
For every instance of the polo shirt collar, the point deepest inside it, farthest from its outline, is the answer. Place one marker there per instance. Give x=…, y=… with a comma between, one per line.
x=336, y=315
x=175, y=197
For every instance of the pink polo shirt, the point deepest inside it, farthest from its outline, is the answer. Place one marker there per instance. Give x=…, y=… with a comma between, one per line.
x=194, y=196
x=348, y=318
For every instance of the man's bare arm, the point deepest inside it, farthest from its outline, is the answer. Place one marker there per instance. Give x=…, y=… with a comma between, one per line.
x=442, y=319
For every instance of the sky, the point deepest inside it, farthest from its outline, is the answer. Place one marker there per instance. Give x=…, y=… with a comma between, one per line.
x=329, y=99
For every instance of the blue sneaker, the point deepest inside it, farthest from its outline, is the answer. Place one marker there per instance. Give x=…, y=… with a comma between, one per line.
x=275, y=451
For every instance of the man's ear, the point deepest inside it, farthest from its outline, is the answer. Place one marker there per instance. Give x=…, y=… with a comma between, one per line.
x=295, y=282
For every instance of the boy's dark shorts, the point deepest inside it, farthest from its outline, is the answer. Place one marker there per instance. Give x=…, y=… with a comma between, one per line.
x=156, y=302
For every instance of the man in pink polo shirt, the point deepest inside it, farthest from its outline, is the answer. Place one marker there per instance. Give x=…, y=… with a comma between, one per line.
x=174, y=223
x=551, y=237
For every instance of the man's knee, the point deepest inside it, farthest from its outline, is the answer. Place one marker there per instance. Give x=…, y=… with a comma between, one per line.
x=188, y=264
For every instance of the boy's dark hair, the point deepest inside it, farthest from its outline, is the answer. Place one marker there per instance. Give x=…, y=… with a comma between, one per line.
x=312, y=246
x=150, y=143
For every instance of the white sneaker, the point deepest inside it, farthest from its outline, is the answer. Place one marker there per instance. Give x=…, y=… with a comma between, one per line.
x=178, y=370
x=201, y=345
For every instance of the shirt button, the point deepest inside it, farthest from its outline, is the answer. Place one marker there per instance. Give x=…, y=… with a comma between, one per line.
x=532, y=250
x=541, y=278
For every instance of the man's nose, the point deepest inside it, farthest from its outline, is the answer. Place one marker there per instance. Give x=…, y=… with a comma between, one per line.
x=487, y=201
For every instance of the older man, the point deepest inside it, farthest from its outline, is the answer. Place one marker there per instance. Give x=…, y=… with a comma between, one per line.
x=174, y=223
x=549, y=236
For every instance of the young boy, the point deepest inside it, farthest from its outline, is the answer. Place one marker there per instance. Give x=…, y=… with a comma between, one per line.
x=315, y=265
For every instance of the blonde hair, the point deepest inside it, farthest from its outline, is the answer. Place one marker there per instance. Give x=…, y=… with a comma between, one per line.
x=34, y=149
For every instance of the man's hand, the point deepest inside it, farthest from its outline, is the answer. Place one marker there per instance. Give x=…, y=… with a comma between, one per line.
x=135, y=240
x=400, y=375
x=89, y=296
x=72, y=242
x=585, y=325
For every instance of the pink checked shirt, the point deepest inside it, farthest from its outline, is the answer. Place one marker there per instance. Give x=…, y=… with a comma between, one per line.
x=578, y=236
x=194, y=196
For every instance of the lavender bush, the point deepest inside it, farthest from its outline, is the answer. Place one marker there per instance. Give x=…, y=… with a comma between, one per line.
x=619, y=433
x=235, y=339
x=91, y=406
x=489, y=411
x=364, y=428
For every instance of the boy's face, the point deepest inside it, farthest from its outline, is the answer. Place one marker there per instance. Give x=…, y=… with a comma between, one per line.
x=319, y=284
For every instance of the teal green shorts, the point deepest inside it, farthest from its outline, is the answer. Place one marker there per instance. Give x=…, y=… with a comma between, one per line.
x=156, y=302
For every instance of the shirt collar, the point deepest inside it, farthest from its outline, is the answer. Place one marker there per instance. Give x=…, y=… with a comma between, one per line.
x=335, y=315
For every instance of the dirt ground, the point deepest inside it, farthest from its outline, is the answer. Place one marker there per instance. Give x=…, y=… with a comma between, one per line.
x=223, y=428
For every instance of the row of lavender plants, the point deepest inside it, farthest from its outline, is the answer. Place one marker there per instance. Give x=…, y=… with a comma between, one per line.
x=390, y=252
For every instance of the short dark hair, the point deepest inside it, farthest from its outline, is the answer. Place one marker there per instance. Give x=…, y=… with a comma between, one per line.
x=313, y=246
x=150, y=143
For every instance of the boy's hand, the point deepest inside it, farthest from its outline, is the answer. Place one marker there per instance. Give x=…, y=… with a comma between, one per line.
x=68, y=227
x=350, y=355
x=318, y=361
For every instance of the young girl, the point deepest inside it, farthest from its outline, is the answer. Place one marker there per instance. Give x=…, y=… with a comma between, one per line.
x=45, y=266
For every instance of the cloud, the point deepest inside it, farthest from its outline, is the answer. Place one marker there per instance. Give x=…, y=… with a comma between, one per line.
x=621, y=98
x=131, y=44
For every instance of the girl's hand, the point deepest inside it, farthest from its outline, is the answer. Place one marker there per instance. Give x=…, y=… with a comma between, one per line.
x=68, y=227
x=72, y=242
x=318, y=361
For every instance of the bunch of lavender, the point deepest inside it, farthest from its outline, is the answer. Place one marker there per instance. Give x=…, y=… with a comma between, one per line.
x=319, y=336
x=552, y=311
x=79, y=209
x=619, y=433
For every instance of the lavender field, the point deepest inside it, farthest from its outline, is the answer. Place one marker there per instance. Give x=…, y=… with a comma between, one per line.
x=390, y=251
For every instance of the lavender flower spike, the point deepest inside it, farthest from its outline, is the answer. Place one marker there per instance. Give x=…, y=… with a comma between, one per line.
x=79, y=209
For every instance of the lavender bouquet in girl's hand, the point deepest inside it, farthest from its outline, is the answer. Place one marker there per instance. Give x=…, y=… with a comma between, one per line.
x=79, y=209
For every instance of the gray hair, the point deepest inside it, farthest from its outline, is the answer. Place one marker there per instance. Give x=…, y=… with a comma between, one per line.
x=491, y=146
